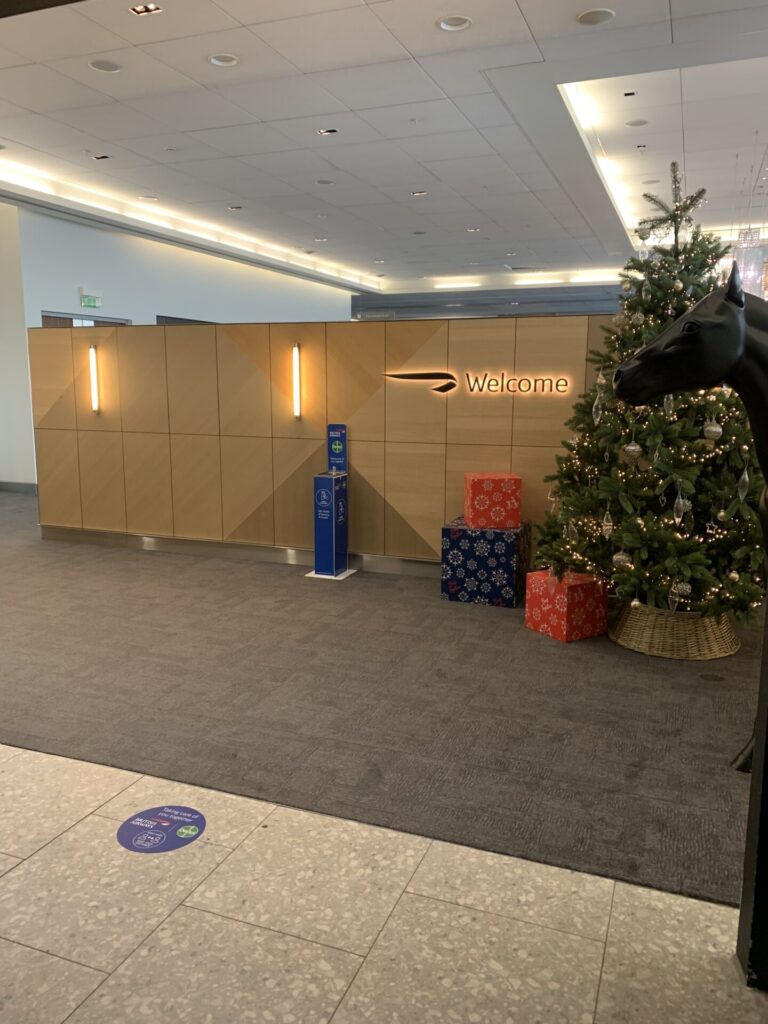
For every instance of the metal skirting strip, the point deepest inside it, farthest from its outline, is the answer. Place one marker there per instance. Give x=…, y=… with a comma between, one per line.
x=237, y=552
x=15, y=488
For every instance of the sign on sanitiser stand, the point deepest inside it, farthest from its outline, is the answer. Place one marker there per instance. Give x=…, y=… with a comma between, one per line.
x=331, y=510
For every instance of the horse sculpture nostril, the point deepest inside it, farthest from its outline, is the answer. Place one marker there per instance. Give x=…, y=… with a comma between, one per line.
x=617, y=377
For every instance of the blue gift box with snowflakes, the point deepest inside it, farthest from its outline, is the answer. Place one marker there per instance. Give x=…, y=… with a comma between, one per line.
x=484, y=566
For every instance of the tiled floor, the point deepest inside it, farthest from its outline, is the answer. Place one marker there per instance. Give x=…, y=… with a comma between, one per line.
x=279, y=916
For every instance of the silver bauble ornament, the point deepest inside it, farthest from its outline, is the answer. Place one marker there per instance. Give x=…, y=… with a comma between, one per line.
x=632, y=451
x=646, y=292
x=597, y=409
x=679, y=509
x=637, y=319
x=601, y=381
x=635, y=602
x=607, y=527
x=712, y=430
x=621, y=560
x=722, y=515
x=743, y=486
x=625, y=286
x=669, y=404
x=678, y=285
x=733, y=577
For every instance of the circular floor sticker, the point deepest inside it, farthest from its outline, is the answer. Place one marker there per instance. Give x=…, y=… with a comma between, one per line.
x=161, y=829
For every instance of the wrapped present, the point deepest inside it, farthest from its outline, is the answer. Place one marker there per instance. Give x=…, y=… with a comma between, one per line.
x=492, y=501
x=484, y=566
x=573, y=608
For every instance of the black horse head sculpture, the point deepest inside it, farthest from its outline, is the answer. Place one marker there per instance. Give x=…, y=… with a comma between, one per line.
x=699, y=350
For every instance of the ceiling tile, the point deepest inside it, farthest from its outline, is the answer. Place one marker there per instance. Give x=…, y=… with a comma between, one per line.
x=335, y=39
x=297, y=163
x=371, y=154
x=119, y=158
x=350, y=129
x=490, y=170
x=43, y=90
x=559, y=19
x=193, y=110
x=250, y=13
x=245, y=139
x=461, y=73
x=453, y=145
x=170, y=147
x=282, y=98
x=41, y=132
x=8, y=59
x=416, y=24
x=410, y=119
x=60, y=32
x=507, y=139
x=484, y=110
x=401, y=81
x=141, y=75
x=690, y=8
x=237, y=176
x=190, y=57
x=179, y=18
x=408, y=174
x=638, y=37
x=110, y=121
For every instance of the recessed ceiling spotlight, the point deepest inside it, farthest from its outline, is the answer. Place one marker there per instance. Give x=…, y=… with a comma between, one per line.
x=455, y=23
x=510, y=254
x=640, y=145
x=142, y=9
x=595, y=16
x=310, y=252
x=170, y=149
x=324, y=181
x=149, y=199
x=320, y=239
x=99, y=156
x=637, y=123
x=379, y=261
x=474, y=263
x=472, y=230
x=234, y=207
x=416, y=195
x=108, y=67
x=630, y=93
x=419, y=232
x=223, y=60
x=652, y=181
x=327, y=131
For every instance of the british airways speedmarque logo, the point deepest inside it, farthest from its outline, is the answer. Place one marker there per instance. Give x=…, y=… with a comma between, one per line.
x=449, y=378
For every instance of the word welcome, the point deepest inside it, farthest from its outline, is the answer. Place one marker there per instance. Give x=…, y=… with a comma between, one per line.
x=524, y=385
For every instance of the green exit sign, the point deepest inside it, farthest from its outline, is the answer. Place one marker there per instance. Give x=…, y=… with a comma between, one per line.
x=90, y=301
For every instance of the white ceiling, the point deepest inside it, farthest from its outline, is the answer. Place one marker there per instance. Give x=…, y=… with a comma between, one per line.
x=473, y=118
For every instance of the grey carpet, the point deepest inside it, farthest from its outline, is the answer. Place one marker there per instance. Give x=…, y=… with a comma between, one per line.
x=373, y=700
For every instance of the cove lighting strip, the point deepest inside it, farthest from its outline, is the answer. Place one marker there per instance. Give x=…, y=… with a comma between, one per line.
x=296, y=382
x=176, y=225
x=600, y=275
x=93, y=368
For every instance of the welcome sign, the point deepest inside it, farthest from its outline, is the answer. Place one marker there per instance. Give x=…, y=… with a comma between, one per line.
x=486, y=383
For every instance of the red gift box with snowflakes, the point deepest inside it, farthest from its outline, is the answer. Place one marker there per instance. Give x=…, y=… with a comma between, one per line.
x=573, y=608
x=492, y=501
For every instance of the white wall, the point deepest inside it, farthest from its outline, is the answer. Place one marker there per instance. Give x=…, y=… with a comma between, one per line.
x=139, y=279
x=50, y=259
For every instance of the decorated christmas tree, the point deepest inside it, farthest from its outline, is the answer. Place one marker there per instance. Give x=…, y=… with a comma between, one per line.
x=660, y=500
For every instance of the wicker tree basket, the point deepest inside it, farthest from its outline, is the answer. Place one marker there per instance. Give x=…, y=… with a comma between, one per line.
x=686, y=636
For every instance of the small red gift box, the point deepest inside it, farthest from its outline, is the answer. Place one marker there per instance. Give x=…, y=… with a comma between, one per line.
x=573, y=608
x=492, y=501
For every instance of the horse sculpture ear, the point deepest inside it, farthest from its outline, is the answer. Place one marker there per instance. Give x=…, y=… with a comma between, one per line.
x=734, y=292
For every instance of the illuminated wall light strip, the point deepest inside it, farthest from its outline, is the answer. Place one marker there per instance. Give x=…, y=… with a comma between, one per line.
x=594, y=277
x=540, y=279
x=93, y=368
x=457, y=285
x=296, y=382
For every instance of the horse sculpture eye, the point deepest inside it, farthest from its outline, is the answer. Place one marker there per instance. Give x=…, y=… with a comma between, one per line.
x=690, y=327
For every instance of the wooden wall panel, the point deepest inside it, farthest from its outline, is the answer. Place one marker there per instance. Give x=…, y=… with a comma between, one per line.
x=105, y=340
x=296, y=461
x=193, y=401
x=58, y=478
x=478, y=347
x=356, y=362
x=102, y=480
x=196, y=476
x=595, y=340
x=148, y=500
x=548, y=346
x=470, y=458
x=532, y=465
x=366, y=497
x=52, y=376
x=143, y=381
x=311, y=340
x=245, y=402
x=246, y=490
x=415, y=499
x=414, y=411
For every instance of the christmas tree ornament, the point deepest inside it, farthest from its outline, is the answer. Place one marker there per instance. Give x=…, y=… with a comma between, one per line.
x=673, y=598
x=622, y=560
x=743, y=486
x=679, y=509
x=727, y=392
x=678, y=285
x=625, y=286
x=619, y=320
x=646, y=292
x=571, y=533
x=669, y=404
x=607, y=456
x=635, y=602
x=607, y=527
x=662, y=500
x=712, y=430
x=597, y=409
x=722, y=515
x=637, y=319
x=734, y=576
x=632, y=451
x=601, y=381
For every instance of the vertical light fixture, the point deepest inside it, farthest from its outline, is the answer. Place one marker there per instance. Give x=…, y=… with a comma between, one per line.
x=94, y=372
x=297, y=382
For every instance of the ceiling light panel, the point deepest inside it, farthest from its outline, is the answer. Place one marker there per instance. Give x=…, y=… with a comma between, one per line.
x=192, y=57
x=140, y=75
x=416, y=25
